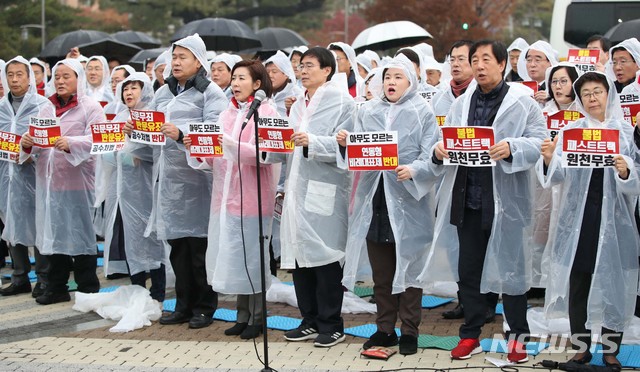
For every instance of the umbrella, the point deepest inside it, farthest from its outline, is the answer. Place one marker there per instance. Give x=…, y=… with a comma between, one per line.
x=220, y=34
x=623, y=31
x=58, y=48
x=110, y=48
x=277, y=38
x=390, y=35
x=142, y=56
x=140, y=39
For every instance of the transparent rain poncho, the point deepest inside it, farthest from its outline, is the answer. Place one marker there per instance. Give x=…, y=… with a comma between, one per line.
x=632, y=46
x=518, y=44
x=102, y=92
x=612, y=296
x=230, y=60
x=507, y=266
x=114, y=107
x=182, y=194
x=129, y=187
x=45, y=78
x=65, y=181
x=351, y=56
x=291, y=90
x=314, y=223
x=542, y=46
x=233, y=221
x=410, y=203
x=18, y=181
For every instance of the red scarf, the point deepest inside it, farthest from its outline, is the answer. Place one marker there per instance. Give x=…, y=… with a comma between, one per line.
x=60, y=109
x=41, y=88
x=458, y=89
x=235, y=103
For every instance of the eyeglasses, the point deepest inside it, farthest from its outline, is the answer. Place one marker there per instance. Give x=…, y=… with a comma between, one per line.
x=594, y=94
x=453, y=60
x=561, y=82
x=620, y=62
x=304, y=66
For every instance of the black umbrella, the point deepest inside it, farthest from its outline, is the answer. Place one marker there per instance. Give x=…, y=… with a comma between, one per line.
x=138, y=38
x=142, y=56
x=220, y=34
x=110, y=48
x=623, y=31
x=277, y=38
x=58, y=48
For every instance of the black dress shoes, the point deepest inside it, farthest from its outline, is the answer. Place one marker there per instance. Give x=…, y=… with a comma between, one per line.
x=236, y=330
x=200, y=321
x=49, y=298
x=39, y=289
x=408, y=345
x=13, y=289
x=457, y=313
x=175, y=318
x=251, y=332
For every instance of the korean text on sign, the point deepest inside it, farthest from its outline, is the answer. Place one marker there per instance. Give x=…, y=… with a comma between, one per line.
x=584, y=59
x=9, y=146
x=146, y=127
x=559, y=120
x=107, y=137
x=275, y=134
x=44, y=131
x=630, y=113
x=427, y=95
x=589, y=148
x=372, y=151
x=205, y=140
x=440, y=120
x=468, y=146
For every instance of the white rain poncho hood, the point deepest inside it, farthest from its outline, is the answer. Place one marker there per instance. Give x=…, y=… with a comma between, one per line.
x=17, y=182
x=376, y=85
x=113, y=107
x=65, y=180
x=281, y=61
x=128, y=175
x=75, y=65
x=632, y=46
x=507, y=266
x=228, y=59
x=284, y=64
x=364, y=61
x=372, y=56
x=102, y=92
x=130, y=70
x=423, y=49
x=542, y=46
x=45, y=78
x=301, y=49
x=422, y=79
x=351, y=56
x=614, y=283
x=164, y=59
x=313, y=228
x=518, y=44
x=613, y=111
x=548, y=77
x=196, y=46
x=410, y=203
x=430, y=63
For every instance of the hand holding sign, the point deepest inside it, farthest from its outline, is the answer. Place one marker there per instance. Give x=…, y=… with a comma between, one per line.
x=403, y=173
x=128, y=127
x=440, y=151
x=300, y=139
x=62, y=144
x=541, y=96
x=26, y=142
x=548, y=148
x=186, y=141
x=621, y=167
x=170, y=131
x=500, y=151
x=341, y=137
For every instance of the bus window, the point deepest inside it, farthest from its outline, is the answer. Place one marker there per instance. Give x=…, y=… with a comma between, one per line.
x=585, y=19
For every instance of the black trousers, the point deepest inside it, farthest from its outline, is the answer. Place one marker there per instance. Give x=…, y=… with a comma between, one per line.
x=579, y=287
x=320, y=294
x=84, y=272
x=194, y=295
x=4, y=248
x=473, y=248
x=158, y=282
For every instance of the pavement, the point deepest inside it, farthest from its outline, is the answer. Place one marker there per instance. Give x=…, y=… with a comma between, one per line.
x=56, y=338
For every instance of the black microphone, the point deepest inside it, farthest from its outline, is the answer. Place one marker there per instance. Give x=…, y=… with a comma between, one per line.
x=257, y=100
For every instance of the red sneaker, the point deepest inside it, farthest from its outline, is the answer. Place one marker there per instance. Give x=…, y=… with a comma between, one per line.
x=466, y=348
x=517, y=352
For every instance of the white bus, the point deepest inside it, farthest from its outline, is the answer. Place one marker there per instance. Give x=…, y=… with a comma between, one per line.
x=574, y=21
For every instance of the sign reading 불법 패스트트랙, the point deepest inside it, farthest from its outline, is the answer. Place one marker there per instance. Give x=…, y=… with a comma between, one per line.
x=9, y=146
x=44, y=131
x=205, y=140
x=146, y=127
x=107, y=137
x=559, y=120
x=584, y=59
x=468, y=146
x=589, y=148
x=372, y=151
x=275, y=134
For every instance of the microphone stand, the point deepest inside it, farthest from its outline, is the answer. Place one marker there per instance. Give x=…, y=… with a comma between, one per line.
x=266, y=368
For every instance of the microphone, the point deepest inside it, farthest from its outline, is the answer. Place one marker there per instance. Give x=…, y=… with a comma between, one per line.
x=257, y=100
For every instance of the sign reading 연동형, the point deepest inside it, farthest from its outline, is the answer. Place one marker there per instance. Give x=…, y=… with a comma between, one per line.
x=107, y=137
x=372, y=151
x=9, y=146
x=205, y=140
x=44, y=131
x=589, y=148
x=559, y=120
x=468, y=146
x=584, y=59
x=146, y=127
x=275, y=134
